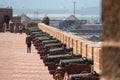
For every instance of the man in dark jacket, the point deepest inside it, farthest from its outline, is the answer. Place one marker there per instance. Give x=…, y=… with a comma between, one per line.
x=28, y=42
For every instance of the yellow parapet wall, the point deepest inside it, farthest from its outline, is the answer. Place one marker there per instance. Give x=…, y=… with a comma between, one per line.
x=80, y=45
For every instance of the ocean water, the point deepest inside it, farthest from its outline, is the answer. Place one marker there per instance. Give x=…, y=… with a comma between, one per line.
x=89, y=17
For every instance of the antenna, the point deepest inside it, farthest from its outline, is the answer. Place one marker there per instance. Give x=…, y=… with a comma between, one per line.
x=74, y=7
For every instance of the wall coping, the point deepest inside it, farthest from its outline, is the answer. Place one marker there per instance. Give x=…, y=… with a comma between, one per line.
x=94, y=44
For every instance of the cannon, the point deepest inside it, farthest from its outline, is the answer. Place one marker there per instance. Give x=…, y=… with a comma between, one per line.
x=53, y=40
x=54, y=45
x=42, y=38
x=60, y=49
x=64, y=65
x=35, y=37
x=38, y=41
x=39, y=32
x=39, y=35
x=71, y=69
x=54, y=50
x=56, y=58
x=34, y=30
x=52, y=61
x=88, y=78
x=29, y=29
x=50, y=41
x=70, y=60
x=82, y=60
x=88, y=75
x=36, y=33
x=47, y=47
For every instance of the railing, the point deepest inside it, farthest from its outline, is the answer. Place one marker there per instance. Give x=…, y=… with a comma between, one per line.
x=80, y=45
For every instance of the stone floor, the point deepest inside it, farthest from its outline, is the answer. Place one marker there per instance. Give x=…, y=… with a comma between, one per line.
x=16, y=63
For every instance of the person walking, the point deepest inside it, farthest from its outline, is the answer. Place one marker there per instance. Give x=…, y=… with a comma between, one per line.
x=28, y=42
x=14, y=28
x=4, y=27
x=20, y=29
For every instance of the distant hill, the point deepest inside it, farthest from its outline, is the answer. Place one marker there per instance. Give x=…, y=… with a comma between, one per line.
x=92, y=10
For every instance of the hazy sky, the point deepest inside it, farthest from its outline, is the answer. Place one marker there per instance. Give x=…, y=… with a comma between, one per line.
x=49, y=4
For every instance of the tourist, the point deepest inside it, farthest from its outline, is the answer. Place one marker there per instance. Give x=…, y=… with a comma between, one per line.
x=14, y=28
x=4, y=27
x=28, y=42
x=20, y=29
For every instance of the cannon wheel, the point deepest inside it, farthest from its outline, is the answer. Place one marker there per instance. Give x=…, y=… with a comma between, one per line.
x=58, y=75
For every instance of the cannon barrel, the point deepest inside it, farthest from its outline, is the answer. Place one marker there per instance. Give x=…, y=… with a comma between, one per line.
x=43, y=38
x=50, y=41
x=53, y=57
x=60, y=49
x=63, y=63
x=54, y=45
x=74, y=76
x=34, y=33
x=41, y=34
x=34, y=30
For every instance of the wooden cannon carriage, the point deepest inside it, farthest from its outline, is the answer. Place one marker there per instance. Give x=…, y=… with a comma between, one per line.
x=69, y=66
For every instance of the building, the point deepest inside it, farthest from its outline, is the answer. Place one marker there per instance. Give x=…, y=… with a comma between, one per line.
x=71, y=22
x=25, y=18
x=6, y=14
x=17, y=19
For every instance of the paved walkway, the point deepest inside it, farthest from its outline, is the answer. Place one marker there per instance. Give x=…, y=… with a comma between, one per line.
x=16, y=63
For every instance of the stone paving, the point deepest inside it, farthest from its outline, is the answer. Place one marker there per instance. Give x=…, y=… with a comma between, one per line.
x=16, y=63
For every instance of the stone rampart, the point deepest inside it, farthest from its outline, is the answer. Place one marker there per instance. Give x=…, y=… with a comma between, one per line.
x=80, y=45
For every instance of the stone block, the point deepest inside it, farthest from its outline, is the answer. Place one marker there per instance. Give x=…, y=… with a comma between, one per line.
x=90, y=51
x=97, y=59
x=84, y=49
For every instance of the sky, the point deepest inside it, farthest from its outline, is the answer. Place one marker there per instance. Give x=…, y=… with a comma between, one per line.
x=49, y=4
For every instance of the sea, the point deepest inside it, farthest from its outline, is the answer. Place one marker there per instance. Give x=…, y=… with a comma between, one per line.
x=90, y=17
